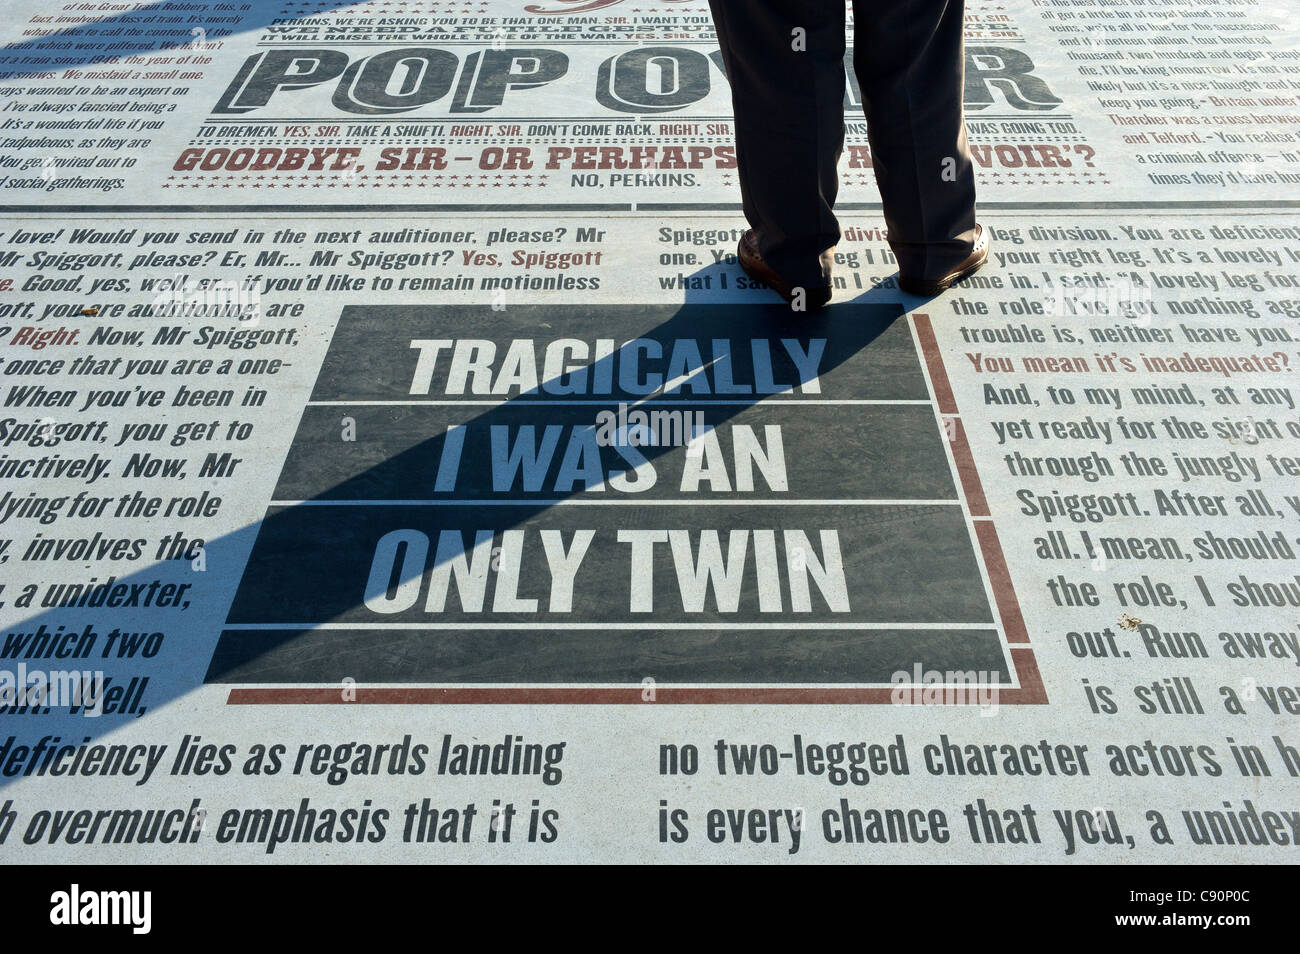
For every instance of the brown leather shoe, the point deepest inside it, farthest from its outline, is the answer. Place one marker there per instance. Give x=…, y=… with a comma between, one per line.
x=751, y=262
x=929, y=287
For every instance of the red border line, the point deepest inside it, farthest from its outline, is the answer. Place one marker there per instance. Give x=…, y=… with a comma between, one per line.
x=934, y=364
x=1032, y=692
x=976, y=502
x=1000, y=578
x=965, y=460
x=1008, y=604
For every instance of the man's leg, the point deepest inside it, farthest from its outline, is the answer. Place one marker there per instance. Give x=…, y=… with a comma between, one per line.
x=785, y=62
x=908, y=57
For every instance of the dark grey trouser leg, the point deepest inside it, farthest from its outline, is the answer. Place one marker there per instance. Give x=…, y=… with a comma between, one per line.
x=789, y=113
x=908, y=56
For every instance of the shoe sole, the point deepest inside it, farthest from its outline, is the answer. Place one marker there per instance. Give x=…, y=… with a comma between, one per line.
x=770, y=279
x=928, y=289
